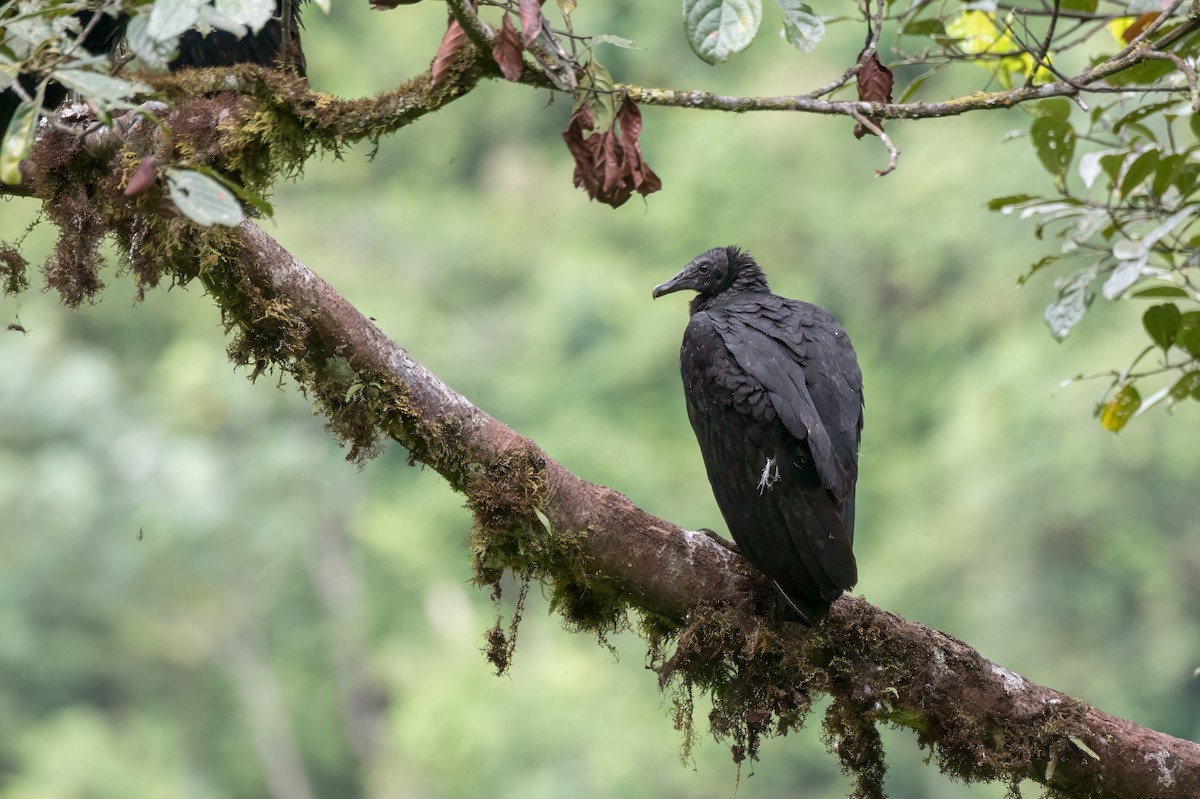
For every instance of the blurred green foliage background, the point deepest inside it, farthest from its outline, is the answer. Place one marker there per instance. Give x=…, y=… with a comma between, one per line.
x=200, y=598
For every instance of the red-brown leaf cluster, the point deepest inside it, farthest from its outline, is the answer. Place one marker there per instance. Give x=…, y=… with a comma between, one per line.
x=874, y=86
x=608, y=163
x=506, y=49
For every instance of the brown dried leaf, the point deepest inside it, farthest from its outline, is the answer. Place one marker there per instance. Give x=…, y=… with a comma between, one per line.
x=584, y=149
x=614, y=192
x=453, y=41
x=506, y=49
x=143, y=178
x=629, y=118
x=388, y=5
x=531, y=20
x=874, y=86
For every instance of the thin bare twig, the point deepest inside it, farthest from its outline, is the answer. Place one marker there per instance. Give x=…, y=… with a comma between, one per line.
x=893, y=153
x=1044, y=49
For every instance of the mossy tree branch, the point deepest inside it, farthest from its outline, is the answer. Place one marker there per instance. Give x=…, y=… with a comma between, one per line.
x=605, y=560
x=982, y=721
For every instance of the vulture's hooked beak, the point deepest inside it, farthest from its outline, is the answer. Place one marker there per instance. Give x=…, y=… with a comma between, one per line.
x=678, y=283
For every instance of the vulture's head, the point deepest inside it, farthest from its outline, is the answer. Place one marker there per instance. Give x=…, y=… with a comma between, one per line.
x=715, y=272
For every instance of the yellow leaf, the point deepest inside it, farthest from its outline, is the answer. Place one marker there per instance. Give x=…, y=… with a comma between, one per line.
x=1120, y=408
x=1117, y=28
x=976, y=31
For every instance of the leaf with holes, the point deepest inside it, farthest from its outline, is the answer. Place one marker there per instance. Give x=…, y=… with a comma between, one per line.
x=1186, y=386
x=1054, y=142
x=718, y=29
x=1188, y=337
x=202, y=199
x=1117, y=412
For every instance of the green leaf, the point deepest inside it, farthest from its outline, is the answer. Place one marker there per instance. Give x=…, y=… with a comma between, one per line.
x=596, y=91
x=802, y=27
x=1143, y=73
x=1055, y=108
x=1139, y=170
x=1166, y=172
x=1162, y=322
x=18, y=139
x=1087, y=6
x=1188, y=337
x=1037, y=267
x=1186, y=386
x=718, y=29
x=1111, y=164
x=1117, y=412
x=1159, y=291
x=923, y=27
x=915, y=84
x=202, y=199
x=1054, y=142
x=1140, y=113
x=1000, y=203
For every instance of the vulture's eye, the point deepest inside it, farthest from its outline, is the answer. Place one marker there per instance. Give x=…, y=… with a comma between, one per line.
x=704, y=269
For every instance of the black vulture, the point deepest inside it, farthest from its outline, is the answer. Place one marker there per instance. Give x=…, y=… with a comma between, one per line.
x=216, y=49
x=774, y=395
